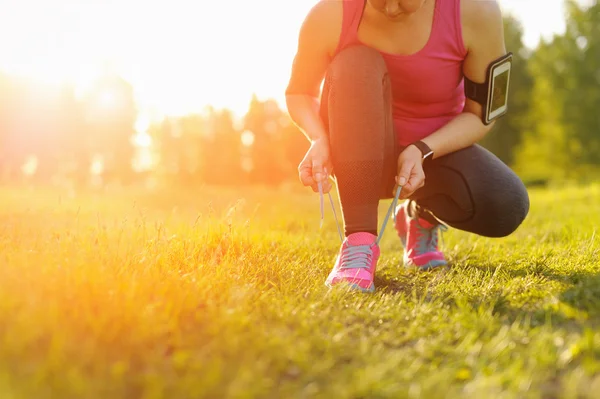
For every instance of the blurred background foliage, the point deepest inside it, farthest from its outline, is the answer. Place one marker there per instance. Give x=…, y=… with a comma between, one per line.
x=53, y=135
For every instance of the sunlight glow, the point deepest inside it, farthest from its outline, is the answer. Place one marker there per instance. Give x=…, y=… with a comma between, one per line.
x=108, y=99
x=142, y=140
x=247, y=138
x=97, y=166
x=142, y=124
x=179, y=56
x=30, y=166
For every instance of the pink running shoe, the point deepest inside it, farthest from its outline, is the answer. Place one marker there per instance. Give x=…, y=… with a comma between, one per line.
x=420, y=240
x=356, y=262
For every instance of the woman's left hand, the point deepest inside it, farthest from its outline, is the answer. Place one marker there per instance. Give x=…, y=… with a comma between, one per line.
x=410, y=171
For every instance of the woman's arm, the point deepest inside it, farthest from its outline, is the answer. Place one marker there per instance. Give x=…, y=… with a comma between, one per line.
x=316, y=42
x=483, y=33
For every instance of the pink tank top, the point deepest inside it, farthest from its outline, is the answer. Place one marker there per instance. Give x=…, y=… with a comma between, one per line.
x=427, y=86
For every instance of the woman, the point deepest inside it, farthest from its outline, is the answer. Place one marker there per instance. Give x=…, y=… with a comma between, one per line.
x=393, y=93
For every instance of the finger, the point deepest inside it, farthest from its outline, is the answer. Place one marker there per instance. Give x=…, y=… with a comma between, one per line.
x=415, y=182
x=407, y=191
x=327, y=186
x=329, y=176
x=404, y=173
x=306, y=176
x=318, y=171
x=326, y=172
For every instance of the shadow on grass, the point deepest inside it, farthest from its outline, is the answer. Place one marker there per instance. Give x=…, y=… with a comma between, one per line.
x=576, y=306
x=411, y=282
x=579, y=301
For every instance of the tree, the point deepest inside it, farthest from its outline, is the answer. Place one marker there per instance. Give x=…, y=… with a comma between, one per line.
x=581, y=45
x=266, y=153
x=111, y=114
x=564, y=139
x=544, y=154
x=221, y=150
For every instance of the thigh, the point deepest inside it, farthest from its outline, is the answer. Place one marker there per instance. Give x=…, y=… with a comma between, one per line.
x=473, y=190
x=356, y=109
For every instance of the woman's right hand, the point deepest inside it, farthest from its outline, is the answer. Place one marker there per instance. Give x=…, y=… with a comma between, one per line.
x=316, y=166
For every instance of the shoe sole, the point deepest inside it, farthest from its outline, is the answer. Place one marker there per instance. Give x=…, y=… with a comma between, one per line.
x=433, y=264
x=356, y=287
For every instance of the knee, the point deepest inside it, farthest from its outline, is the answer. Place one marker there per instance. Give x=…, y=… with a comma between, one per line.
x=357, y=66
x=506, y=213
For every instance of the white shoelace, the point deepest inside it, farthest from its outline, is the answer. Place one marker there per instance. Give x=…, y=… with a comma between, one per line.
x=337, y=223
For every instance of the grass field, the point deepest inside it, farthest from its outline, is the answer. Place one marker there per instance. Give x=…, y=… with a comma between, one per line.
x=219, y=294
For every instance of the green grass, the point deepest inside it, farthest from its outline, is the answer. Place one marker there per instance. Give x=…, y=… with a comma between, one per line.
x=219, y=293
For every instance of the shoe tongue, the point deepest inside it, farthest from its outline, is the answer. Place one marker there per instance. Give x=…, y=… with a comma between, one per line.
x=361, y=239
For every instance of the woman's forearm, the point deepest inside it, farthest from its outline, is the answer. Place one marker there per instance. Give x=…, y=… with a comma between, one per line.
x=304, y=111
x=461, y=132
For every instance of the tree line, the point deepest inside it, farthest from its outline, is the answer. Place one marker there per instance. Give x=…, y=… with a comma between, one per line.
x=552, y=130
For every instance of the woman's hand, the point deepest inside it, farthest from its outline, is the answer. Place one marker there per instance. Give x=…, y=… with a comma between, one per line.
x=316, y=166
x=410, y=171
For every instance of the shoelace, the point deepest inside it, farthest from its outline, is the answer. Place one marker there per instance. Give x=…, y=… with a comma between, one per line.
x=433, y=234
x=337, y=223
x=356, y=257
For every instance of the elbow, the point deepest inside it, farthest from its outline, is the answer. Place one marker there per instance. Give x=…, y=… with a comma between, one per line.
x=293, y=89
x=295, y=103
x=291, y=97
x=296, y=89
x=488, y=128
x=485, y=129
x=298, y=100
x=291, y=102
x=295, y=95
x=475, y=116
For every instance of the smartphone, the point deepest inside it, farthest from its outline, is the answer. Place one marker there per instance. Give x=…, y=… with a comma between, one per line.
x=498, y=86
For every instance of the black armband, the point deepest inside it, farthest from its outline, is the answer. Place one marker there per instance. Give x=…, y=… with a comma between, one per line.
x=493, y=93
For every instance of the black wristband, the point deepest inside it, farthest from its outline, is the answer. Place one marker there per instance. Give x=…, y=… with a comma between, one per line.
x=426, y=151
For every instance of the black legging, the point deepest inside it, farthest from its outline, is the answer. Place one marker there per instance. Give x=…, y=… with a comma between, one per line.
x=470, y=189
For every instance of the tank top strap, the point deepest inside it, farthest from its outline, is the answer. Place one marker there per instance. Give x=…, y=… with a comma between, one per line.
x=447, y=29
x=352, y=15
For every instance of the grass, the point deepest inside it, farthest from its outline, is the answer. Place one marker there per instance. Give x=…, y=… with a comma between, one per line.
x=220, y=294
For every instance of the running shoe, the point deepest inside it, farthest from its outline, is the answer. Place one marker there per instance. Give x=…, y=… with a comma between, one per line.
x=420, y=239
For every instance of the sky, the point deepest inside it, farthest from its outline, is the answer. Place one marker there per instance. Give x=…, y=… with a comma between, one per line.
x=181, y=55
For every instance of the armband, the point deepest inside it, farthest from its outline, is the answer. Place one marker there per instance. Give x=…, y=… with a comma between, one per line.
x=493, y=93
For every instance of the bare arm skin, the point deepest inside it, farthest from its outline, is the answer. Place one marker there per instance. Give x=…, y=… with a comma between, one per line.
x=483, y=34
x=317, y=41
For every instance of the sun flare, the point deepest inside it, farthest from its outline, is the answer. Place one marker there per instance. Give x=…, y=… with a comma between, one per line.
x=179, y=57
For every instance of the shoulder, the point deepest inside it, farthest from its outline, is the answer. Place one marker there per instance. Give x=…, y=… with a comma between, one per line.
x=481, y=21
x=323, y=23
x=326, y=11
x=477, y=14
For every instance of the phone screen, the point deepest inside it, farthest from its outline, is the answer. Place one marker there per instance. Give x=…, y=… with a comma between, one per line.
x=500, y=88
